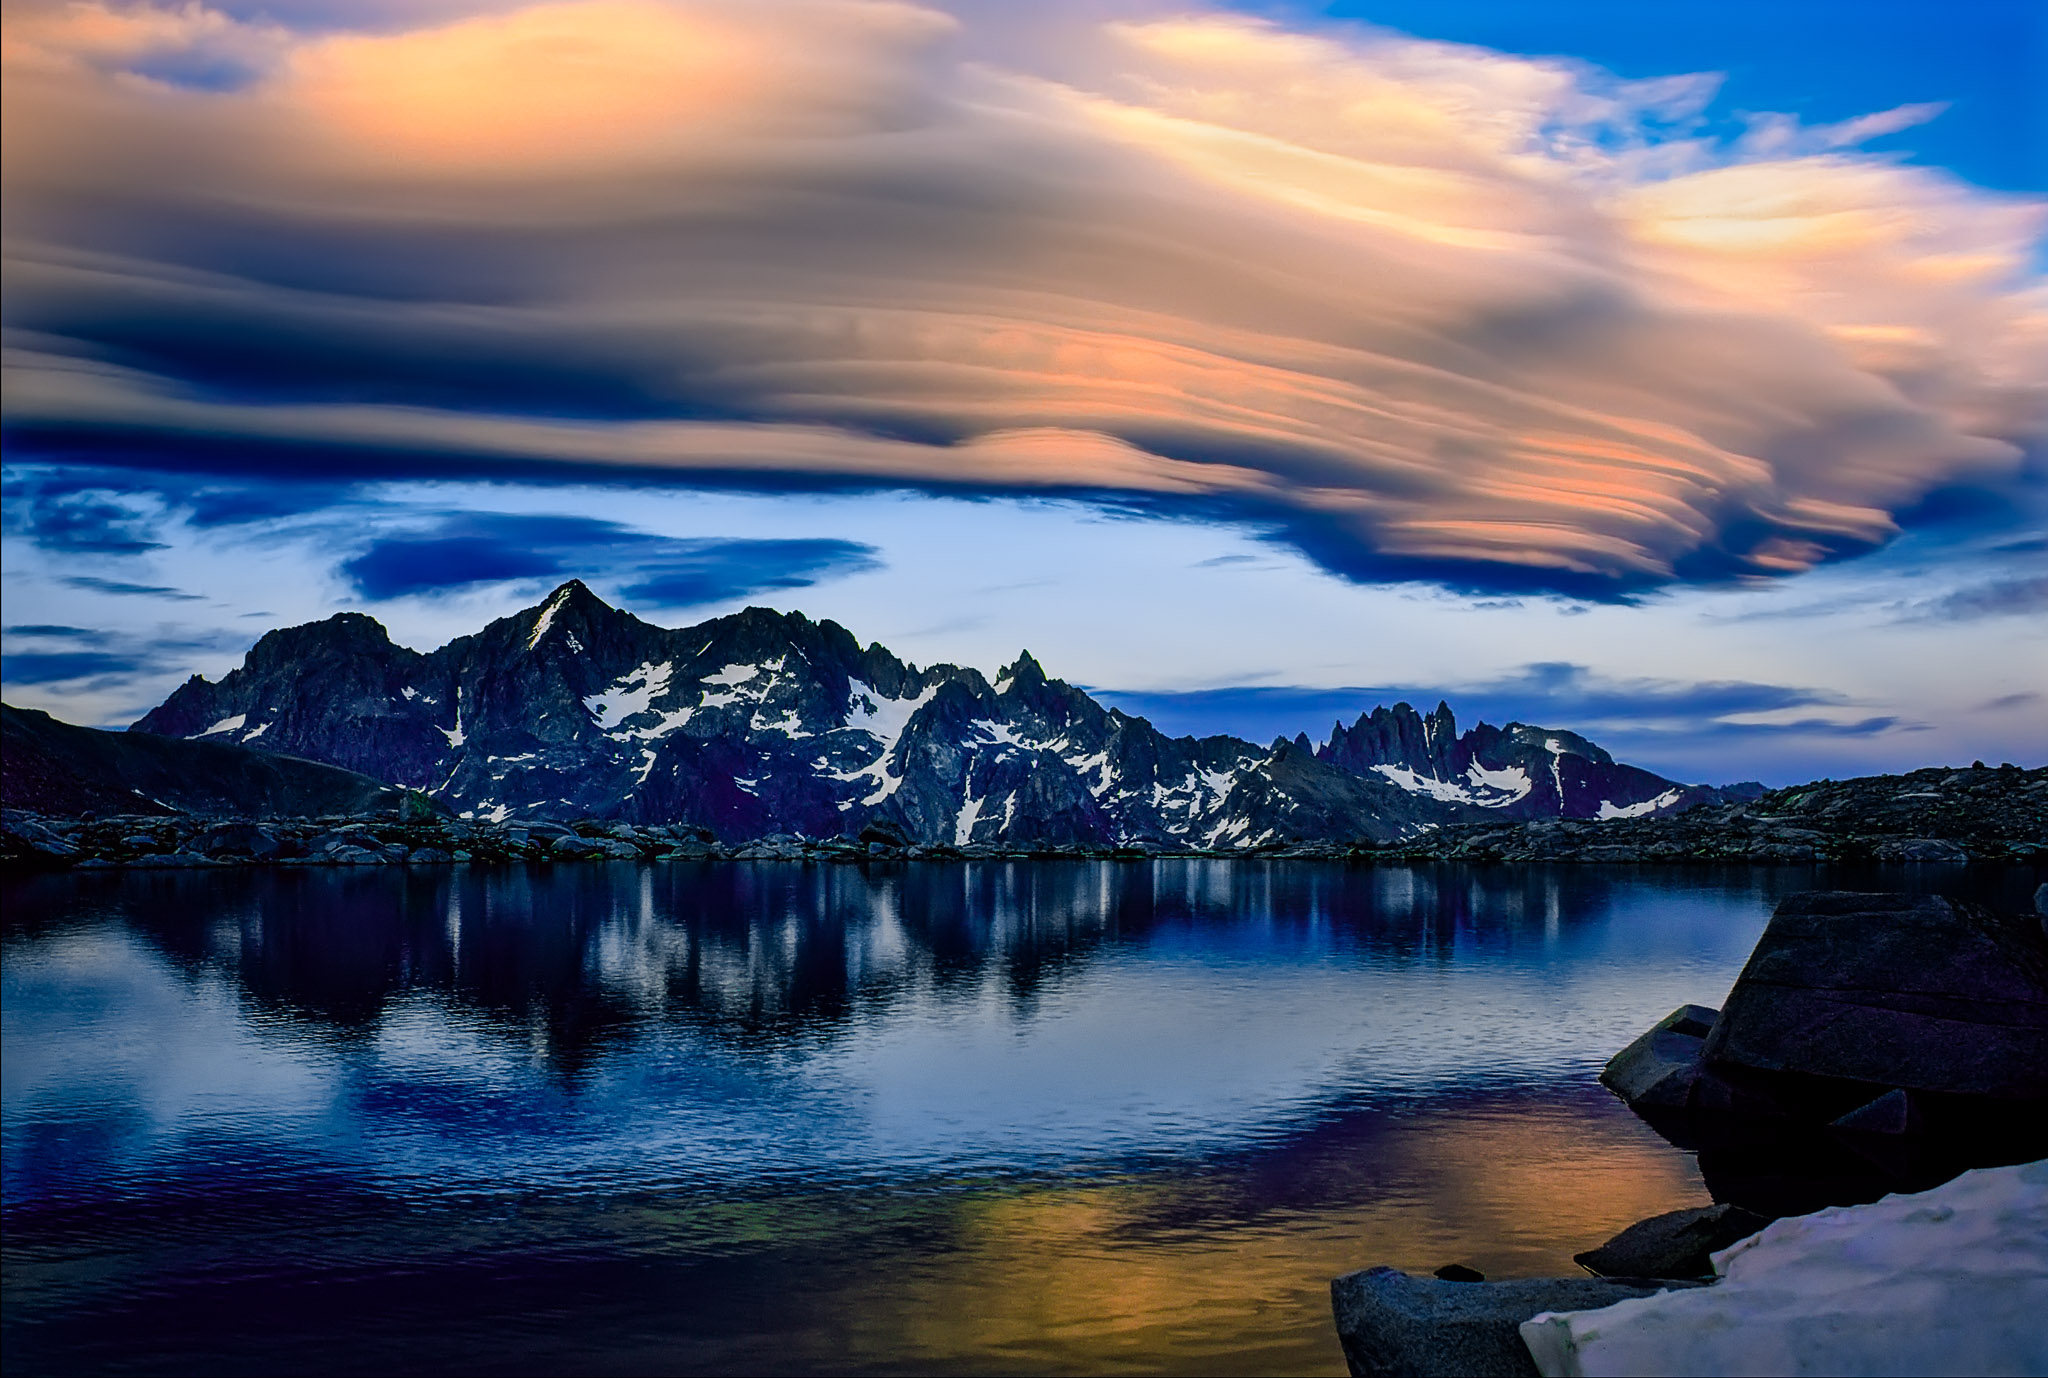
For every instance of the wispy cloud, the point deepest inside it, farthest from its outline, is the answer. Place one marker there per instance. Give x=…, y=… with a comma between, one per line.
x=464, y=550
x=1428, y=311
x=94, y=661
x=2027, y=596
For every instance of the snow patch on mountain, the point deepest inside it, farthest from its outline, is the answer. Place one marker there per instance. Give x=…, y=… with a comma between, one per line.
x=547, y=618
x=630, y=695
x=1507, y=785
x=884, y=719
x=963, y=825
x=232, y=724
x=1443, y=791
x=1646, y=807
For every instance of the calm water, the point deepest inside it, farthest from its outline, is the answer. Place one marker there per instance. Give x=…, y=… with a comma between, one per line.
x=1051, y=1116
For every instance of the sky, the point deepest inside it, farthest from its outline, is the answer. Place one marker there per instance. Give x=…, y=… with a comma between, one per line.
x=1673, y=374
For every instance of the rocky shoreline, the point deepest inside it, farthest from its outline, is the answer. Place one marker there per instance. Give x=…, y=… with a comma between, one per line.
x=1874, y=1047
x=1937, y=815
x=1974, y=813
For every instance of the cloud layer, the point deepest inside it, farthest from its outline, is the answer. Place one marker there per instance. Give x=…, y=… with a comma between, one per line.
x=1429, y=311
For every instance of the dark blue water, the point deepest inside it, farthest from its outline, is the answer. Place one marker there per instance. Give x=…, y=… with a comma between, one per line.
x=1052, y=1116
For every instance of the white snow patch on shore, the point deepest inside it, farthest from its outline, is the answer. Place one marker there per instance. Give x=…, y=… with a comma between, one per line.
x=1948, y=1281
x=1641, y=810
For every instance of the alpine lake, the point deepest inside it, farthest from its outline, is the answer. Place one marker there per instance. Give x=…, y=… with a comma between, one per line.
x=698, y=1117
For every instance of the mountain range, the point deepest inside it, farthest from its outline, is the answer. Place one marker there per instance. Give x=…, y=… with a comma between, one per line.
x=764, y=722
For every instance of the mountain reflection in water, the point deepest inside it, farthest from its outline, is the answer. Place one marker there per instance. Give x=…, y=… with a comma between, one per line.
x=1042, y=1116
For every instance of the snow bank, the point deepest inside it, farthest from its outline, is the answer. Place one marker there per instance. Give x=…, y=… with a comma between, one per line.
x=1953, y=1280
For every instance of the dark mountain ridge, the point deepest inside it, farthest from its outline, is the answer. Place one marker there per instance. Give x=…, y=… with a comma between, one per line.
x=764, y=722
x=53, y=767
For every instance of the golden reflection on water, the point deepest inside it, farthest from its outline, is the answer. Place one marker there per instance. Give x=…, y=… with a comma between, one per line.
x=1125, y=1277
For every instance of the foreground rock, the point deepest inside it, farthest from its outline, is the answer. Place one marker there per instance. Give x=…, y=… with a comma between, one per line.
x=1914, y=992
x=1677, y=1244
x=1949, y=1281
x=1658, y=1070
x=1872, y=1043
x=1871, y=1011
x=1392, y=1323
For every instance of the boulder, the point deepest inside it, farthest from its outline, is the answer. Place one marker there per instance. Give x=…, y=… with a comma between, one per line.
x=1916, y=992
x=238, y=839
x=1678, y=1244
x=1658, y=1070
x=1392, y=1323
x=595, y=848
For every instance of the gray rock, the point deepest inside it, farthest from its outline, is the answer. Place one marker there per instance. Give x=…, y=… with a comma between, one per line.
x=1678, y=1244
x=428, y=856
x=595, y=848
x=1392, y=1323
x=1894, y=1113
x=1921, y=849
x=1658, y=1070
x=1910, y=991
x=238, y=839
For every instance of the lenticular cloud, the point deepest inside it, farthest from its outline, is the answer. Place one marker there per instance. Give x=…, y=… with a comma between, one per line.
x=1430, y=310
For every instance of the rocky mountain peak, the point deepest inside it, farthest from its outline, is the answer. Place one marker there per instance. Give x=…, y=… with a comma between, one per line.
x=762, y=722
x=344, y=634
x=1022, y=673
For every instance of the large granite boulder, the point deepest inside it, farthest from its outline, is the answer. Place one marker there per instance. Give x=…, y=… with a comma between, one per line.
x=1872, y=1043
x=1849, y=998
x=1393, y=1323
x=1916, y=992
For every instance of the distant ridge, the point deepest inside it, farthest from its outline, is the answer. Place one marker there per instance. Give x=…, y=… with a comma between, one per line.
x=53, y=767
x=763, y=723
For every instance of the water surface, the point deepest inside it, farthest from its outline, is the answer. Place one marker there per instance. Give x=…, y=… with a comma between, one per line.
x=689, y=1117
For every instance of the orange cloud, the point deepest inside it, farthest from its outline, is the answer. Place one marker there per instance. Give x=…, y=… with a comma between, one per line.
x=1440, y=305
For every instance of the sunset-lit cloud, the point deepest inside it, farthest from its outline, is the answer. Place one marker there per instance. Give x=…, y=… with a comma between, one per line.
x=1429, y=311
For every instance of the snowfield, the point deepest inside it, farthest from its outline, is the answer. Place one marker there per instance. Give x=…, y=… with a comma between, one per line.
x=1948, y=1281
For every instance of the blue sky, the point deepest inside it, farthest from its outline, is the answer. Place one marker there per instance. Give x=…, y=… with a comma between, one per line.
x=1822, y=60
x=1672, y=374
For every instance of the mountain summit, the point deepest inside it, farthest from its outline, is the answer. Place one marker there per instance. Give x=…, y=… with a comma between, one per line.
x=765, y=722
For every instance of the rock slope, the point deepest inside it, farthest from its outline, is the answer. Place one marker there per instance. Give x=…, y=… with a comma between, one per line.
x=53, y=767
